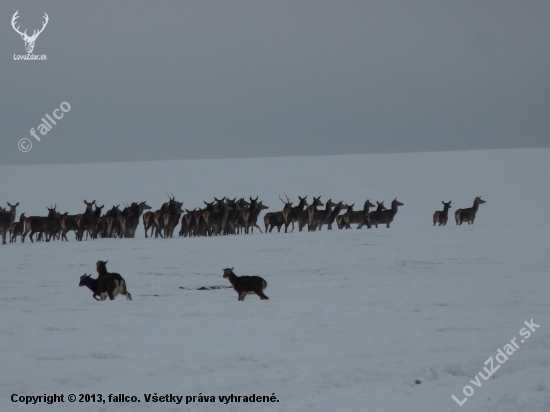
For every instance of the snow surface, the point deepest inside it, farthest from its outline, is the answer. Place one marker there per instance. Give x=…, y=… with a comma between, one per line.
x=355, y=317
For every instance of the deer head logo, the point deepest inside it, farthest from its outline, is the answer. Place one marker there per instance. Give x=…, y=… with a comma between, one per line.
x=29, y=40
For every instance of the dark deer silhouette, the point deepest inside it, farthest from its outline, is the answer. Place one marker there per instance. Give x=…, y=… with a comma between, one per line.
x=334, y=214
x=6, y=220
x=384, y=216
x=321, y=216
x=469, y=214
x=341, y=220
x=441, y=216
x=312, y=212
x=246, y=285
x=293, y=214
x=106, y=284
x=360, y=216
x=17, y=228
x=39, y=224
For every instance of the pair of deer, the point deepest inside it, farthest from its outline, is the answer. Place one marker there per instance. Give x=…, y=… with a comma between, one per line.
x=106, y=284
x=461, y=215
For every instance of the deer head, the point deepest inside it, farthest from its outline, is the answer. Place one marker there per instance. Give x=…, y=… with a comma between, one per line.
x=29, y=40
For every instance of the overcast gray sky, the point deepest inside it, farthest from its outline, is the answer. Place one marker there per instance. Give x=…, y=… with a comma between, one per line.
x=213, y=79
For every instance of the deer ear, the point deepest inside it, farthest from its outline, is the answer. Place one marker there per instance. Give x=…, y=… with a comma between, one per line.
x=232, y=268
x=106, y=261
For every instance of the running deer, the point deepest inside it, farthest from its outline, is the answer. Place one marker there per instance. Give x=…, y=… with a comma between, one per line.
x=384, y=216
x=6, y=220
x=360, y=217
x=441, y=216
x=17, y=228
x=246, y=285
x=469, y=214
x=292, y=214
x=111, y=285
x=108, y=284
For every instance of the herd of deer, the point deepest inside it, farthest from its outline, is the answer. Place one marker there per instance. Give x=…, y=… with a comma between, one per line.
x=220, y=217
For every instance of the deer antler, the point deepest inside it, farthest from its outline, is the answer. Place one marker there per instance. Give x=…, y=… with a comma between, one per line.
x=35, y=34
x=13, y=19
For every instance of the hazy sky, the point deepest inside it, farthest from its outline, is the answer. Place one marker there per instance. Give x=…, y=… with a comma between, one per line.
x=151, y=80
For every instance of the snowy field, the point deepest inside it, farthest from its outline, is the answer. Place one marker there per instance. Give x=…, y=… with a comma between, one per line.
x=383, y=319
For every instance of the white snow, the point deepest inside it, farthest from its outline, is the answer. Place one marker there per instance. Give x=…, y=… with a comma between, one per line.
x=355, y=317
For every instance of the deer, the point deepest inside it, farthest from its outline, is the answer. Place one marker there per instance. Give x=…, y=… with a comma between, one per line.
x=293, y=214
x=359, y=217
x=188, y=223
x=239, y=225
x=132, y=221
x=218, y=216
x=246, y=285
x=312, y=212
x=6, y=220
x=341, y=221
x=39, y=224
x=68, y=222
x=17, y=228
x=171, y=218
x=384, y=216
x=29, y=40
x=88, y=222
x=469, y=214
x=233, y=215
x=250, y=215
x=276, y=219
x=111, y=285
x=321, y=216
x=334, y=214
x=441, y=216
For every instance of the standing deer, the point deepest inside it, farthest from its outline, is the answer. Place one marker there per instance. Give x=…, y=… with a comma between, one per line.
x=250, y=216
x=321, y=216
x=132, y=222
x=334, y=214
x=360, y=217
x=88, y=222
x=341, y=220
x=17, y=228
x=39, y=224
x=312, y=212
x=384, y=216
x=276, y=219
x=6, y=220
x=469, y=214
x=293, y=214
x=441, y=216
